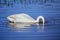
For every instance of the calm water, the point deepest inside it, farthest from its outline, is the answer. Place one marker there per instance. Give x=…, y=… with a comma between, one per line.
x=51, y=30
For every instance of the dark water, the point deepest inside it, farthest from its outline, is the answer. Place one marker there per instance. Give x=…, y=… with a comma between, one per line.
x=51, y=29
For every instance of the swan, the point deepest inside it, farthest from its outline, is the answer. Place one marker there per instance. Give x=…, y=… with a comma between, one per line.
x=25, y=18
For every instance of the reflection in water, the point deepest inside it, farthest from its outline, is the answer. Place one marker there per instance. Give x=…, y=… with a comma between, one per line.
x=40, y=27
x=25, y=26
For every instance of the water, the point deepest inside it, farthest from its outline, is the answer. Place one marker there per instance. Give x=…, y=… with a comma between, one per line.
x=51, y=30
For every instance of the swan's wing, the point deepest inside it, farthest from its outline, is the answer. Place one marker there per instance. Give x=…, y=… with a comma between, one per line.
x=24, y=18
x=27, y=17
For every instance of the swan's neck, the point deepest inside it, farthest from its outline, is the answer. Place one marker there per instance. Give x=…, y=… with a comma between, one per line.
x=40, y=17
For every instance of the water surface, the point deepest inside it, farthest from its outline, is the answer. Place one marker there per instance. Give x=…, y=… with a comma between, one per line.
x=51, y=29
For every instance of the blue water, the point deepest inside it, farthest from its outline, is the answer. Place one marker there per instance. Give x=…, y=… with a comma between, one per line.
x=51, y=29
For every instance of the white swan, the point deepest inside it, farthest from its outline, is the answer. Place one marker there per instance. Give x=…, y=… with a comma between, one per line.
x=24, y=18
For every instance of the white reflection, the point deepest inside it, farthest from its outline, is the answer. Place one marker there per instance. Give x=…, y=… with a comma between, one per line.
x=40, y=27
x=25, y=26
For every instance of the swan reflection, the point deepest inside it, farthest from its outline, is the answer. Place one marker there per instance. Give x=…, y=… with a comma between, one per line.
x=25, y=26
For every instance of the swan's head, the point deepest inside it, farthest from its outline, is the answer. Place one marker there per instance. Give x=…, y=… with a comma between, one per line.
x=41, y=18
